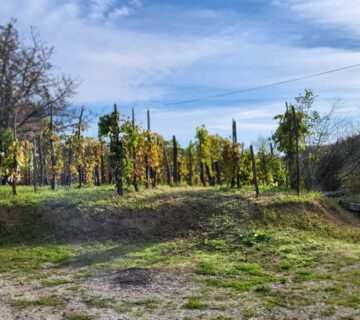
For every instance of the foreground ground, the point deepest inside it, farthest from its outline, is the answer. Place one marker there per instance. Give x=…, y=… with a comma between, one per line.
x=177, y=254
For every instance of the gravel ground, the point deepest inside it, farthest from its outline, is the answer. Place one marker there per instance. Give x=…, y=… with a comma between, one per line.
x=125, y=294
x=133, y=294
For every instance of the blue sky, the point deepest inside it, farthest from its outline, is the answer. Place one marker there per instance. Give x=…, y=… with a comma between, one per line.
x=147, y=53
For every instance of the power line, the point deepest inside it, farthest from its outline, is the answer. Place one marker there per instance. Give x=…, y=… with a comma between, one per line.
x=274, y=84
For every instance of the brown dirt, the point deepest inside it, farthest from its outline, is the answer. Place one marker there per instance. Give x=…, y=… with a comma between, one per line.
x=335, y=213
x=133, y=277
x=164, y=215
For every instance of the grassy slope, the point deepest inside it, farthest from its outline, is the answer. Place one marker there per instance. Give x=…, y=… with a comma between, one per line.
x=265, y=257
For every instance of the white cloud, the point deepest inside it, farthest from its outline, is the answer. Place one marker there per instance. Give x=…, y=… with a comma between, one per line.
x=335, y=13
x=137, y=65
x=136, y=3
x=120, y=12
x=99, y=8
x=251, y=121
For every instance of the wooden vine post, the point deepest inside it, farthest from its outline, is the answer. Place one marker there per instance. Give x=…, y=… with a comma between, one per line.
x=253, y=161
x=80, y=167
x=15, y=160
x=52, y=149
x=175, y=157
x=236, y=174
x=147, y=157
x=190, y=165
x=135, y=184
x=265, y=163
x=68, y=179
x=297, y=150
x=117, y=152
x=272, y=159
x=291, y=155
x=42, y=161
x=102, y=162
x=35, y=173
x=167, y=167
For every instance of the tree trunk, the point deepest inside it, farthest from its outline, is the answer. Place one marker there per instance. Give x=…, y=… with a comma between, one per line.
x=153, y=174
x=202, y=176
x=79, y=170
x=97, y=176
x=210, y=178
x=218, y=173
x=110, y=173
x=1, y=155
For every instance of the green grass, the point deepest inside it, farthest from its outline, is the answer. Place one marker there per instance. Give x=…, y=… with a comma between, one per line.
x=30, y=258
x=290, y=256
x=89, y=197
x=194, y=304
x=42, y=301
x=98, y=301
x=78, y=316
x=56, y=282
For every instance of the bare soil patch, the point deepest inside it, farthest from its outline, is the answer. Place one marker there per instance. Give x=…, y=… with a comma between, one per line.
x=132, y=277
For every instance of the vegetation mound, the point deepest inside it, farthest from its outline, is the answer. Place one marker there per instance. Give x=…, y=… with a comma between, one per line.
x=91, y=214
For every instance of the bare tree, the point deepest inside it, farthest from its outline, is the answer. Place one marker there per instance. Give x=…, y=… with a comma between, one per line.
x=28, y=89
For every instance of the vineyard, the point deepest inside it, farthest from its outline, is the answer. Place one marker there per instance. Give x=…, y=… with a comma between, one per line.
x=125, y=223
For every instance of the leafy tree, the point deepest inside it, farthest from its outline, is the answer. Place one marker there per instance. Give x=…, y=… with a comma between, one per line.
x=203, y=151
x=109, y=126
x=291, y=125
x=231, y=162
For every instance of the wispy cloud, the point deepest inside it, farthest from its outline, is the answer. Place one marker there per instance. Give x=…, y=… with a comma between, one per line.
x=138, y=52
x=333, y=13
x=120, y=12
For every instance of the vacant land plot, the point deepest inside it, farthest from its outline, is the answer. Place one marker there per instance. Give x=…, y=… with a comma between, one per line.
x=177, y=253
